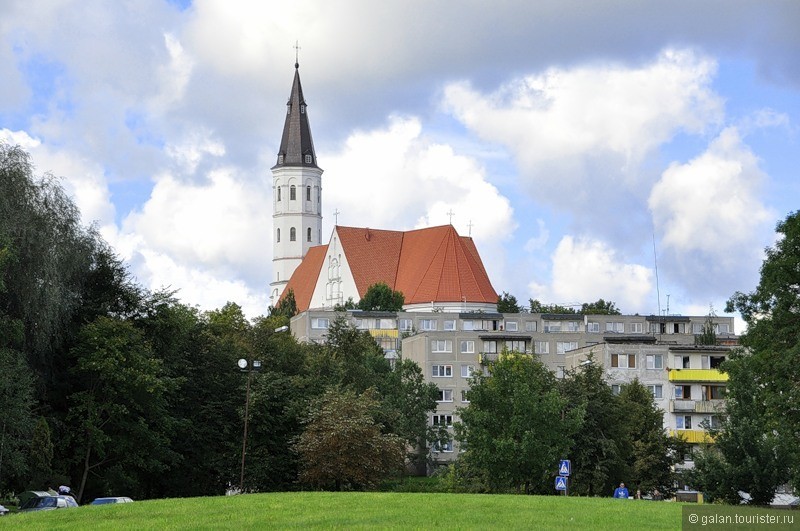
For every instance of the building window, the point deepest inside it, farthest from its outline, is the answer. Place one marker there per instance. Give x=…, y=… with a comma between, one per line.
x=563, y=347
x=467, y=370
x=515, y=346
x=615, y=327
x=308, y=159
x=560, y=371
x=445, y=395
x=721, y=328
x=542, y=347
x=593, y=328
x=443, y=446
x=442, y=371
x=623, y=361
x=682, y=362
x=279, y=236
x=715, y=392
x=490, y=347
x=427, y=324
x=308, y=193
x=530, y=326
x=697, y=328
x=511, y=326
x=292, y=193
x=655, y=361
x=683, y=422
x=464, y=396
x=292, y=234
x=449, y=325
x=308, y=234
x=683, y=392
x=406, y=325
x=552, y=326
x=441, y=345
x=656, y=390
x=320, y=323
x=615, y=389
x=302, y=109
x=279, y=188
x=636, y=328
x=443, y=420
x=468, y=347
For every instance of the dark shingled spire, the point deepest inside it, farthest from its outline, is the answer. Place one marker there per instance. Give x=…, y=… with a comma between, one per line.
x=296, y=143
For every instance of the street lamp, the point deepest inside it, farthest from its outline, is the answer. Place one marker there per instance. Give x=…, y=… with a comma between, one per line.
x=249, y=366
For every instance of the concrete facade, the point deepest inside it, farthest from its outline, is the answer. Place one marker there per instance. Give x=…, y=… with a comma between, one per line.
x=449, y=346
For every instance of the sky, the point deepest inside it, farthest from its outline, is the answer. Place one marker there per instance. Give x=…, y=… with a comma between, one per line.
x=639, y=152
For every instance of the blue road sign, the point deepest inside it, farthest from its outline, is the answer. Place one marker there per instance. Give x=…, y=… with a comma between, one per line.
x=561, y=483
x=564, y=467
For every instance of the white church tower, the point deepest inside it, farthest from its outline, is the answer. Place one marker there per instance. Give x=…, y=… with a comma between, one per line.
x=296, y=193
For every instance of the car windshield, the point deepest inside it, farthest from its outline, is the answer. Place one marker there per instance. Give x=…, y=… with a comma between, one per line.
x=36, y=503
x=102, y=501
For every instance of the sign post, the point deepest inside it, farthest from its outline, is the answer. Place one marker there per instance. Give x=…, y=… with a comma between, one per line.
x=562, y=481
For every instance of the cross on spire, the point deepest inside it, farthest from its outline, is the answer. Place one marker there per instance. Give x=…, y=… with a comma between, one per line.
x=470, y=227
x=336, y=217
x=296, y=54
x=451, y=214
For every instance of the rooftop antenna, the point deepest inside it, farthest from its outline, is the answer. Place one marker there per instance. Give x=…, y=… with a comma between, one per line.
x=655, y=262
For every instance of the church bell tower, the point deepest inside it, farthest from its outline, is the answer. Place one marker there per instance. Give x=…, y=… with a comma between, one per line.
x=296, y=193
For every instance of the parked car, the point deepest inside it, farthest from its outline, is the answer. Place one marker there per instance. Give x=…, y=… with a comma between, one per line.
x=111, y=499
x=3, y=511
x=47, y=503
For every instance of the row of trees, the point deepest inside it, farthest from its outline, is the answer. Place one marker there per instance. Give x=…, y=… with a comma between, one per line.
x=117, y=390
x=507, y=303
x=521, y=421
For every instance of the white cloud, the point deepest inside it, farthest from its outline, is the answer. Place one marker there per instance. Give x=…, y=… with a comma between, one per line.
x=580, y=135
x=395, y=178
x=709, y=215
x=584, y=270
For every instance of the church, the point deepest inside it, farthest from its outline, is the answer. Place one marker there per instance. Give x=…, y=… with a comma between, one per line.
x=435, y=268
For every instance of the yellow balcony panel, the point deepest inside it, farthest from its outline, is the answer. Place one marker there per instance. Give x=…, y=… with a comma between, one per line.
x=383, y=332
x=697, y=375
x=693, y=436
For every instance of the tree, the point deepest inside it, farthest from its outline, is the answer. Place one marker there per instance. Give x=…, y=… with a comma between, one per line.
x=600, y=307
x=517, y=425
x=16, y=420
x=652, y=452
x=708, y=334
x=507, y=303
x=381, y=297
x=343, y=448
x=773, y=329
x=538, y=307
x=117, y=419
x=41, y=457
x=286, y=307
x=747, y=454
x=600, y=450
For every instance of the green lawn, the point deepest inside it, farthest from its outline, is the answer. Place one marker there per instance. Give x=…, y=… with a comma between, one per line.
x=379, y=511
x=362, y=510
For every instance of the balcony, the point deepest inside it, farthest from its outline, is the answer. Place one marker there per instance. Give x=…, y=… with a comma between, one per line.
x=693, y=436
x=696, y=406
x=384, y=332
x=697, y=375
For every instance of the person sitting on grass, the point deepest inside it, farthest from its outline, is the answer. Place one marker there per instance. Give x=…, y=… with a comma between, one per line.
x=621, y=492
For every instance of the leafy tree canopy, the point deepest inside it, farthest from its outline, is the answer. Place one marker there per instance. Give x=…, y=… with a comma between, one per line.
x=600, y=307
x=507, y=303
x=381, y=297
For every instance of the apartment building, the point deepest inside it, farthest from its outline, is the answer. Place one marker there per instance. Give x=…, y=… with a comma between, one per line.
x=449, y=347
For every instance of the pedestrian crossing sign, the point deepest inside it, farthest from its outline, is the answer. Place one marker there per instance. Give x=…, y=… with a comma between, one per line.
x=564, y=467
x=561, y=483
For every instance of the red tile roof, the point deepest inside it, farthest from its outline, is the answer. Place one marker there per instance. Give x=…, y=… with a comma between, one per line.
x=426, y=265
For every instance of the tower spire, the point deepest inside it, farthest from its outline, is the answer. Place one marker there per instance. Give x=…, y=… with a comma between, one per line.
x=297, y=146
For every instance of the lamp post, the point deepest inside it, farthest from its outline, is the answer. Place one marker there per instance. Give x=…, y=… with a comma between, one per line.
x=249, y=366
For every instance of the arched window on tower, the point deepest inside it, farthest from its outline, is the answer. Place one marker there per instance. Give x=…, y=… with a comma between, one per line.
x=279, y=236
x=279, y=193
x=308, y=234
x=292, y=234
x=308, y=193
x=292, y=193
